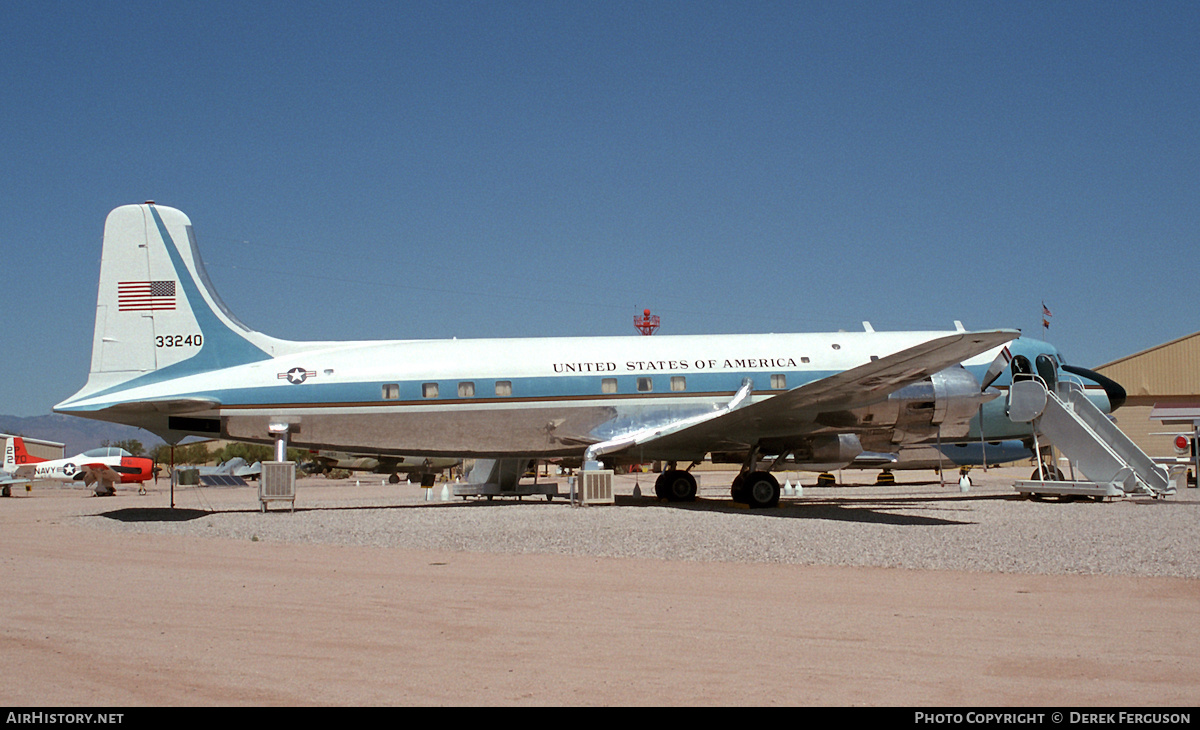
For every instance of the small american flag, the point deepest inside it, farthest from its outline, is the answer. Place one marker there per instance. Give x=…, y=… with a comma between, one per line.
x=144, y=296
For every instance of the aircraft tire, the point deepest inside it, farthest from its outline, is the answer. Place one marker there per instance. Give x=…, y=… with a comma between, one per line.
x=760, y=490
x=394, y=479
x=675, y=485
x=1043, y=474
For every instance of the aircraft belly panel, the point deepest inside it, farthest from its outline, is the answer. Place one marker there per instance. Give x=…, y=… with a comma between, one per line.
x=550, y=430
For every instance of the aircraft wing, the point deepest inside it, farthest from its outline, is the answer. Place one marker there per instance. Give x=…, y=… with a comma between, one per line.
x=798, y=410
x=93, y=473
x=254, y=469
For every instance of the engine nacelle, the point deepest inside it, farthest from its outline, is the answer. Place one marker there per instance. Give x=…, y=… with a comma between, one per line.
x=947, y=400
x=827, y=452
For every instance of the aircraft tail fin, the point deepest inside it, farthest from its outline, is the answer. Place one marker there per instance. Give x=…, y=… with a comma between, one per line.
x=15, y=454
x=157, y=313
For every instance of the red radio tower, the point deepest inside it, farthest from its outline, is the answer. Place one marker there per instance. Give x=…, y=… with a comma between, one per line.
x=646, y=323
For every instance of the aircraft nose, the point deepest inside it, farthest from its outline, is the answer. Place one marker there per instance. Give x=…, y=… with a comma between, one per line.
x=1116, y=394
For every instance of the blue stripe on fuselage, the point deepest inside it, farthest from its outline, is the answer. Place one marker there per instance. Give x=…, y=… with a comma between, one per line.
x=315, y=393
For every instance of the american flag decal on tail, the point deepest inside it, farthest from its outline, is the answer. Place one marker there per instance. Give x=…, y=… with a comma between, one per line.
x=145, y=296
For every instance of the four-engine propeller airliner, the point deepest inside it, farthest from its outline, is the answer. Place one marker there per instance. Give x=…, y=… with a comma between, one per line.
x=169, y=356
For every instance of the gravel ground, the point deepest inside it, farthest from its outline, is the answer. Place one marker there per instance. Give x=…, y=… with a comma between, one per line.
x=915, y=524
x=372, y=595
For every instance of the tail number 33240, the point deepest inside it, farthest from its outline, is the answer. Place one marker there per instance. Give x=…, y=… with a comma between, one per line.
x=179, y=340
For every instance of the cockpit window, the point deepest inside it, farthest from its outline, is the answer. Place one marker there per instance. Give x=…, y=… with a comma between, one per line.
x=107, y=451
x=1048, y=369
x=1022, y=368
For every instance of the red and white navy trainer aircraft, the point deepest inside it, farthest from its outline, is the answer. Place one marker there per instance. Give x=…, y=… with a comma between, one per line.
x=101, y=468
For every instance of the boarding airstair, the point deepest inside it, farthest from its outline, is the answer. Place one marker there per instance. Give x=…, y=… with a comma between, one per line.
x=1111, y=462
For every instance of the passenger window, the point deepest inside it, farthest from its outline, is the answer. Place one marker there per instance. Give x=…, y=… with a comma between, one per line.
x=678, y=383
x=503, y=387
x=391, y=391
x=778, y=382
x=429, y=390
x=608, y=385
x=466, y=390
x=645, y=385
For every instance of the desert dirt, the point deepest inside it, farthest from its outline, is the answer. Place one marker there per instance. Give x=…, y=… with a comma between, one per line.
x=96, y=617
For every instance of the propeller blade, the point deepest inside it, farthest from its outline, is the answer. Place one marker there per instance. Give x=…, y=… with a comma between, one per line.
x=996, y=368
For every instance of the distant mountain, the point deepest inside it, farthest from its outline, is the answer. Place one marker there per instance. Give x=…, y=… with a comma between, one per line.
x=76, y=434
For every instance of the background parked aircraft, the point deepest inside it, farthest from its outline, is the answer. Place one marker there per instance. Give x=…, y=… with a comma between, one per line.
x=426, y=468
x=954, y=455
x=7, y=480
x=100, y=468
x=236, y=467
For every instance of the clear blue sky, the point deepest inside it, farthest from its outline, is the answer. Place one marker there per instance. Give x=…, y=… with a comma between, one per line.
x=434, y=169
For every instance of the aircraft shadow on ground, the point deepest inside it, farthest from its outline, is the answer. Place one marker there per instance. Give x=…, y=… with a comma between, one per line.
x=184, y=514
x=885, y=511
x=154, y=514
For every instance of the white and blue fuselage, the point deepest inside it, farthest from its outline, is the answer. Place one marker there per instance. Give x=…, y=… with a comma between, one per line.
x=170, y=357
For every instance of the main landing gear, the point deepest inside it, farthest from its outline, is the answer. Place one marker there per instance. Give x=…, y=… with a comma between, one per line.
x=758, y=489
x=675, y=485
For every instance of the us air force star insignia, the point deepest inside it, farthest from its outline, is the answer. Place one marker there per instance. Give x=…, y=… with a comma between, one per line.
x=296, y=376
